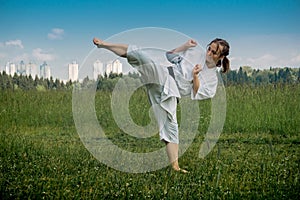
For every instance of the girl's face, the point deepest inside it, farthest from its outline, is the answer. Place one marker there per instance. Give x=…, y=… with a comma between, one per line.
x=213, y=54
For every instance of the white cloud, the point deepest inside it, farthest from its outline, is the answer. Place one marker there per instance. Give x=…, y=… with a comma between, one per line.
x=16, y=43
x=264, y=60
x=236, y=62
x=56, y=34
x=296, y=60
x=24, y=57
x=41, y=55
x=2, y=55
x=264, y=51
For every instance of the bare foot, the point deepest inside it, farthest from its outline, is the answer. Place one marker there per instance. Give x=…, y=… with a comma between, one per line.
x=181, y=170
x=99, y=43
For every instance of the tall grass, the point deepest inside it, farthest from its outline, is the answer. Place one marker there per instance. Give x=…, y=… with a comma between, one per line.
x=265, y=109
x=256, y=157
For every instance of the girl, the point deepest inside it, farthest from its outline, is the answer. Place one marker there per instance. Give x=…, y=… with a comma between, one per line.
x=185, y=77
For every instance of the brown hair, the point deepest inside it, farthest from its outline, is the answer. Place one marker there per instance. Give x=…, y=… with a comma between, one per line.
x=225, y=52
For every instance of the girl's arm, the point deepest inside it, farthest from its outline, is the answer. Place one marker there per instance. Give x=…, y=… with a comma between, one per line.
x=196, y=81
x=190, y=43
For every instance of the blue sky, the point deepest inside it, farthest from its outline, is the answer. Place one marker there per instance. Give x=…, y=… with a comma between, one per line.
x=261, y=33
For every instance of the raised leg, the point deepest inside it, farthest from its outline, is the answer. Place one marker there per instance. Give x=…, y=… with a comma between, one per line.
x=118, y=49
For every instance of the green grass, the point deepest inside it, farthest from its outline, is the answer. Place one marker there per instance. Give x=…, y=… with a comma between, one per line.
x=265, y=109
x=256, y=157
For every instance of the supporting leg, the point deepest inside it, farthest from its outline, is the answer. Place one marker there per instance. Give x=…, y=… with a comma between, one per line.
x=172, y=152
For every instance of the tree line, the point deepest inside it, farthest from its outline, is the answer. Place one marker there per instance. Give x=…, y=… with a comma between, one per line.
x=244, y=75
x=249, y=76
x=23, y=82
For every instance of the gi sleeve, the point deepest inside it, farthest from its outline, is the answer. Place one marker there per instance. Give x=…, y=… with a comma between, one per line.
x=207, y=88
x=174, y=58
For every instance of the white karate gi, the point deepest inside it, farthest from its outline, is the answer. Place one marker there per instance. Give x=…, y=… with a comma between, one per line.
x=163, y=89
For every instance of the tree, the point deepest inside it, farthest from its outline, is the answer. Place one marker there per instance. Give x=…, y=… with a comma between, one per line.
x=69, y=84
x=100, y=80
x=50, y=83
x=232, y=77
x=112, y=75
x=134, y=75
x=288, y=76
x=15, y=81
x=5, y=81
x=298, y=76
x=57, y=84
x=29, y=82
x=242, y=77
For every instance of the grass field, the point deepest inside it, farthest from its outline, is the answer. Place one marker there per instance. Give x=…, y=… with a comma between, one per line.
x=256, y=157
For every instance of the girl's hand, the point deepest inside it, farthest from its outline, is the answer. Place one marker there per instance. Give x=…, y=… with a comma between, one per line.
x=191, y=43
x=196, y=70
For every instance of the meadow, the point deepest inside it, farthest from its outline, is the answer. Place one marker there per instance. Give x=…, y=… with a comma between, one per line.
x=256, y=157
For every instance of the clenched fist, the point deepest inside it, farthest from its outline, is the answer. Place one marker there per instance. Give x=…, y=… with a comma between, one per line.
x=197, y=69
x=191, y=43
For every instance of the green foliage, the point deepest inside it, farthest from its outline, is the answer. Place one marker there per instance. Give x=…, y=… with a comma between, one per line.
x=257, y=156
x=246, y=75
x=242, y=76
x=28, y=83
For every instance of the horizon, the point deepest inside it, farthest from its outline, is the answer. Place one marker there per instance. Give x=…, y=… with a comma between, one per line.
x=127, y=71
x=244, y=68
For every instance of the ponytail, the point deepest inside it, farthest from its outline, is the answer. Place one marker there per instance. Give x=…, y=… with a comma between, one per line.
x=225, y=65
